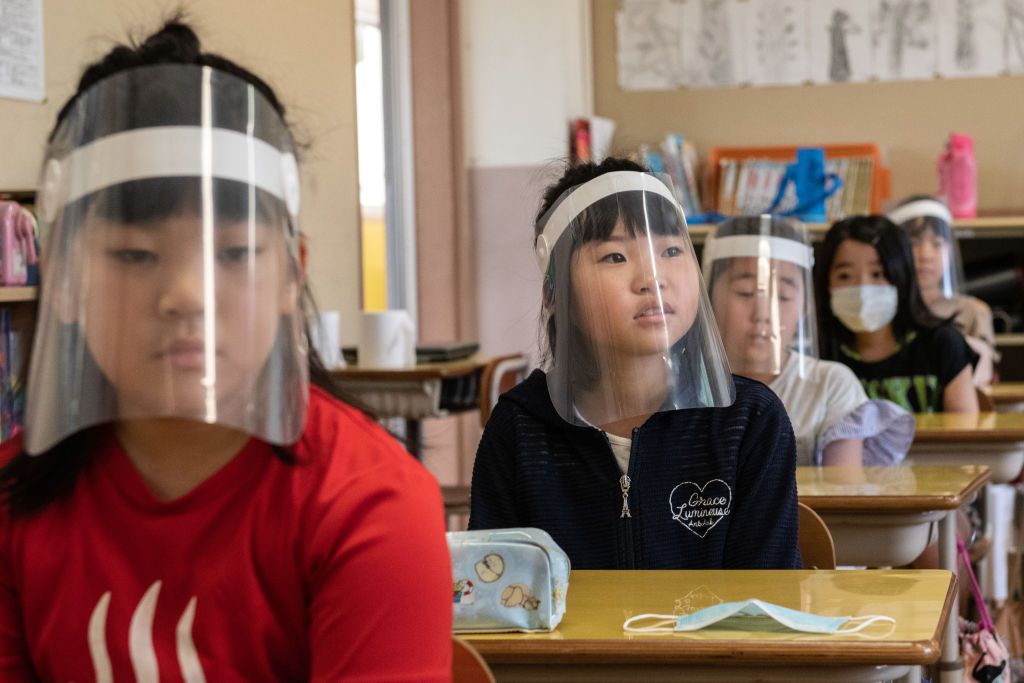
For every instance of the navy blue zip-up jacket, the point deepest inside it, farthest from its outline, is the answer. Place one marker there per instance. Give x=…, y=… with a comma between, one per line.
x=708, y=487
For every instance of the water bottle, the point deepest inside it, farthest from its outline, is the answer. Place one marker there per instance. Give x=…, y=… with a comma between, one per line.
x=958, y=185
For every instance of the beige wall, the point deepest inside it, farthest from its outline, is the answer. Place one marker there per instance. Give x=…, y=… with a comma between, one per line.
x=911, y=119
x=303, y=48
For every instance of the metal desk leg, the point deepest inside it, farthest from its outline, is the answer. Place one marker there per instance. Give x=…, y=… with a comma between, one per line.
x=951, y=667
x=912, y=676
x=414, y=438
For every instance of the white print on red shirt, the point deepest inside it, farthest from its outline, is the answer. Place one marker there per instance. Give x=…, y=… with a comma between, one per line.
x=700, y=508
x=140, y=641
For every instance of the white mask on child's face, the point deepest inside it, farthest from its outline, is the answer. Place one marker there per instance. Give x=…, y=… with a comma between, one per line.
x=864, y=308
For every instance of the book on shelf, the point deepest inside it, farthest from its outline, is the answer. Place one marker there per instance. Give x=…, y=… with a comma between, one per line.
x=749, y=185
x=12, y=392
x=590, y=138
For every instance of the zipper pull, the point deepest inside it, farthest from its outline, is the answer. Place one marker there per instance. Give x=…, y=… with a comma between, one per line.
x=624, y=485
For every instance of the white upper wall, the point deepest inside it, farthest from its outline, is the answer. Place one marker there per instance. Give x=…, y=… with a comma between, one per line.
x=526, y=72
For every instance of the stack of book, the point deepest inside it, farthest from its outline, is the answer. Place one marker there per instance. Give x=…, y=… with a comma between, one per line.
x=748, y=186
x=677, y=158
x=12, y=392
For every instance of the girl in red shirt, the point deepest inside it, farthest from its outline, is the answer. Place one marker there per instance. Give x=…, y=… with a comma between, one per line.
x=191, y=501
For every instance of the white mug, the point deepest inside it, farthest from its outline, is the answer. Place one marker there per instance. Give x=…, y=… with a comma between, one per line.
x=387, y=339
x=327, y=340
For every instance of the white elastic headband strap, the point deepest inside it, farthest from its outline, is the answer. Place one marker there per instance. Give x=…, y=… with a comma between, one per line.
x=919, y=208
x=168, y=152
x=589, y=193
x=757, y=246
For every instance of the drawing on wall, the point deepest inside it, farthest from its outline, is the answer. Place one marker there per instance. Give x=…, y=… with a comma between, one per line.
x=966, y=45
x=22, y=70
x=664, y=44
x=839, y=53
x=776, y=34
x=1013, y=35
x=840, y=42
x=970, y=37
x=712, y=55
x=649, y=45
x=903, y=39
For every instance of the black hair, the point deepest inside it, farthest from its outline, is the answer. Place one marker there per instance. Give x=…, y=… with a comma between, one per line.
x=28, y=484
x=916, y=226
x=596, y=223
x=897, y=259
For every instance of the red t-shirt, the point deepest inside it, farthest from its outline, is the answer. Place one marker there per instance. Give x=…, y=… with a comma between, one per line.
x=332, y=568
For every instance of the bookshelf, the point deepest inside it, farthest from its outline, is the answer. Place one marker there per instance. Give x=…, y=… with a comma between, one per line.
x=12, y=295
x=20, y=306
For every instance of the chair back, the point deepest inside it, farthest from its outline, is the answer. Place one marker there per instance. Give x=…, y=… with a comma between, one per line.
x=985, y=402
x=467, y=664
x=497, y=377
x=816, y=546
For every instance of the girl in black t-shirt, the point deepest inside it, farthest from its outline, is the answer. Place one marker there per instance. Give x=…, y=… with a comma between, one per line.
x=875, y=321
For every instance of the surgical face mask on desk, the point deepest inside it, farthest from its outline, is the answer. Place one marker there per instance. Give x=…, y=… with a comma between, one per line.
x=795, y=620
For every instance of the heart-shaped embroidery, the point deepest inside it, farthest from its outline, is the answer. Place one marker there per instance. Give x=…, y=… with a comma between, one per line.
x=700, y=508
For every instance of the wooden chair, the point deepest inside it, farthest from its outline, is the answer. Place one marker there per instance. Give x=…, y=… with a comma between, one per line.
x=497, y=377
x=467, y=664
x=816, y=546
x=456, y=503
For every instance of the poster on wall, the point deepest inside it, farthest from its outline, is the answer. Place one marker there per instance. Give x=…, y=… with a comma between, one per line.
x=650, y=47
x=904, y=39
x=665, y=44
x=712, y=43
x=775, y=42
x=840, y=41
x=21, y=50
x=971, y=37
x=1013, y=35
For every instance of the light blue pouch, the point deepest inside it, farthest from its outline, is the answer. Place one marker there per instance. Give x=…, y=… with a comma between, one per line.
x=507, y=580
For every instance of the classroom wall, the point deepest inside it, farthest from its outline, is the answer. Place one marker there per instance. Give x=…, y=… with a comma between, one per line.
x=911, y=119
x=526, y=72
x=307, y=55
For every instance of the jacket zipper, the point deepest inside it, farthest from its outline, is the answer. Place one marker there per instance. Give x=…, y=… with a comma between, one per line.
x=624, y=486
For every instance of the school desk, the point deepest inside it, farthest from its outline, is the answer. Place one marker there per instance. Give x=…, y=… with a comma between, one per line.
x=590, y=645
x=995, y=440
x=413, y=394
x=1008, y=397
x=883, y=516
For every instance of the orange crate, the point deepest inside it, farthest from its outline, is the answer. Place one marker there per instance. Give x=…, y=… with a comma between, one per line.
x=880, y=181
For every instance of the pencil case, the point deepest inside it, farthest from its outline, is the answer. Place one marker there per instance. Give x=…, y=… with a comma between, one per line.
x=507, y=580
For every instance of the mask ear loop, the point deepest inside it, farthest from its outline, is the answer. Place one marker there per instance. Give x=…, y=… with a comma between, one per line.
x=664, y=624
x=868, y=621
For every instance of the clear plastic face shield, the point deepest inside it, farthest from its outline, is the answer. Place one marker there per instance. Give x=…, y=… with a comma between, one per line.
x=929, y=225
x=759, y=275
x=626, y=316
x=171, y=281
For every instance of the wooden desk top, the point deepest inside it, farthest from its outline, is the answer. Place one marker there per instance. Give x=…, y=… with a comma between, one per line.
x=958, y=427
x=599, y=602
x=887, y=489
x=417, y=373
x=1006, y=392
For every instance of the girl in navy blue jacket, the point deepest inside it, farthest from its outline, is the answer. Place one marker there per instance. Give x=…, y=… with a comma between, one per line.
x=636, y=447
